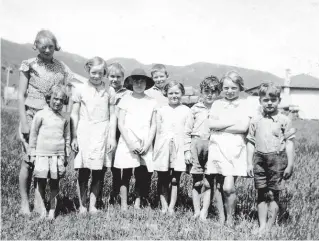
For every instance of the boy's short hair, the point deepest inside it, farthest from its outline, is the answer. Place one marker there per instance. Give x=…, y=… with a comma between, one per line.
x=115, y=66
x=235, y=78
x=210, y=82
x=159, y=68
x=171, y=84
x=95, y=61
x=54, y=90
x=269, y=88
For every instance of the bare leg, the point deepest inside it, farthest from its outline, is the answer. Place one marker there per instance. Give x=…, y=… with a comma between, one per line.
x=163, y=183
x=54, y=191
x=230, y=198
x=208, y=185
x=196, y=193
x=262, y=207
x=83, y=179
x=174, y=190
x=25, y=178
x=273, y=208
x=95, y=189
x=39, y=204
x=219, y=199
x=125, y=182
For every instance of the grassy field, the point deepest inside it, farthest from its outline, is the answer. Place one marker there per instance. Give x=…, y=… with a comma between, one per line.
x=298, y=220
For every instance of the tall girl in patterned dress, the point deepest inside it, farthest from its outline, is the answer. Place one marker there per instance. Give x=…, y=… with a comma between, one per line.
x=93, y=131
x=37, y=76
x=227, y=155
x=174, y=124
x=136, y=122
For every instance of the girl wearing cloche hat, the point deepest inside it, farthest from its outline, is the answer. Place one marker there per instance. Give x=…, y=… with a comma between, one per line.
x=136, y=122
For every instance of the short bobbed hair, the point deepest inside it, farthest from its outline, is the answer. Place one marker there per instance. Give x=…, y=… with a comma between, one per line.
x=210, y=83
x=55, y=90
x=171, y=84
x=115, y=66
x=46, y=34
x=235, y=78
x=95, y=61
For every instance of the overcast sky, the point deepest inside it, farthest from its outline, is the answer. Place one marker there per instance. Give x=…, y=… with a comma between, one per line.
x=267, y=35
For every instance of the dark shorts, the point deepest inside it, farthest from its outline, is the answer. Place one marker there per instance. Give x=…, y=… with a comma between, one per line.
x=199, y=150
x=269, y=169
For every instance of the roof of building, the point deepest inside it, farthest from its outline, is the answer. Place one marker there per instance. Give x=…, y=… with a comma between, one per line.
x=301, y=81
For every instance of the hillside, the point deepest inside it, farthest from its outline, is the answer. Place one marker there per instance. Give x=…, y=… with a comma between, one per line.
x=13, y=53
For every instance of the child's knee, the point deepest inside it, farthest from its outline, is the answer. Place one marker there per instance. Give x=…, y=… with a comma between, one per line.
x=272, y=195
x=229, y=190
x=174, y=181
x=206, y=184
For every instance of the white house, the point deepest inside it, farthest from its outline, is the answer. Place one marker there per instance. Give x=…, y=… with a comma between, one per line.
x=299, y=92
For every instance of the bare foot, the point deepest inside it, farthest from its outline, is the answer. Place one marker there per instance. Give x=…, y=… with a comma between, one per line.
x=196, y=215
x=164, y=210
x=137, y=204
x=171, y=211
x=82, y=210
x=124, y=208
x=93, y=210
x=25, y=211
x=260, y=232
x=203, y=216
x=51, y=215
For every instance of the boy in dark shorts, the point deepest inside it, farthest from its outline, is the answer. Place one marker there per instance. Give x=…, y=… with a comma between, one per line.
x=270, y=141
x=210, y=89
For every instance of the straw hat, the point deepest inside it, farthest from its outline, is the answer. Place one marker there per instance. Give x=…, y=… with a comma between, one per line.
x=138, y=73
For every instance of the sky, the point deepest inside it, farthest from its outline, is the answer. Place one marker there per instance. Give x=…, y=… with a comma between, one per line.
x=270, y=35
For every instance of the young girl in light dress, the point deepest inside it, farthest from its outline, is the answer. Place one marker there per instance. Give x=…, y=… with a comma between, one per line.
x=37, y=76
x=136, y=122
x=227, y=155
x=93, y=131
x=172, y=144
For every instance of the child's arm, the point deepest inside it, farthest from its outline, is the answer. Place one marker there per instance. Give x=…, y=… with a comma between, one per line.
x=217, y=124
x=34, y=132
x=151, y=135
x=74, y=124
x=67, y=138
x=251, y=147
x=23, y=85
x=132, y=146
x=189, y=124
x=290, y=151
x=240, y=126
x=112, y=130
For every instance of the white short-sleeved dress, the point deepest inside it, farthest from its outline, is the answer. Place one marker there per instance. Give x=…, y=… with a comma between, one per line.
x=227, y=154
x=93, y=126
x=173, y=137
x=138, y=124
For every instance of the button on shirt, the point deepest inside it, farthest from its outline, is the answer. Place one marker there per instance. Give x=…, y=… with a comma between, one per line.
x=201, y=114
x=269, y=132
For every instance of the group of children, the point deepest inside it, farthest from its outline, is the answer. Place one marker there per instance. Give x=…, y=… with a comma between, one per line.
x=138, y=125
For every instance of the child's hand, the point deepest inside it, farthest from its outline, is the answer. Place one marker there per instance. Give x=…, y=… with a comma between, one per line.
x=144, y=149
x=111, y=145
x=250, y=171
x=135, y=148
x=188, y=156
x=75, y=145
x=288, y=172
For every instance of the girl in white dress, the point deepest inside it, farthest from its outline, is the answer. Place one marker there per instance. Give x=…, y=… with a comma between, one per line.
x=172, y=144
x=136, y=122
x=227, y=156
x=93, y=131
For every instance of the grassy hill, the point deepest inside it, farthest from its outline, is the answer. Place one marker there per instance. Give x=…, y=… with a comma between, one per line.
x=14, y=53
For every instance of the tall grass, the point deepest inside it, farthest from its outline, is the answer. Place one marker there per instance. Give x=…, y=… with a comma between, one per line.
x=298, y=219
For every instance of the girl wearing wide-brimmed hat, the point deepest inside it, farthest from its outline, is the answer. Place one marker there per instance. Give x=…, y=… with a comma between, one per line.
x=136, y=122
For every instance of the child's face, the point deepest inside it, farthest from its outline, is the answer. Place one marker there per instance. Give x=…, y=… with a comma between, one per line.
x=174, y=95
x=46, y=48
x=96, y=74
x=116, y=78
x=230, y=89
x=269, y=103
x=139, y=85
x=56, y=101
x=209, y=95
x=159, y=78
